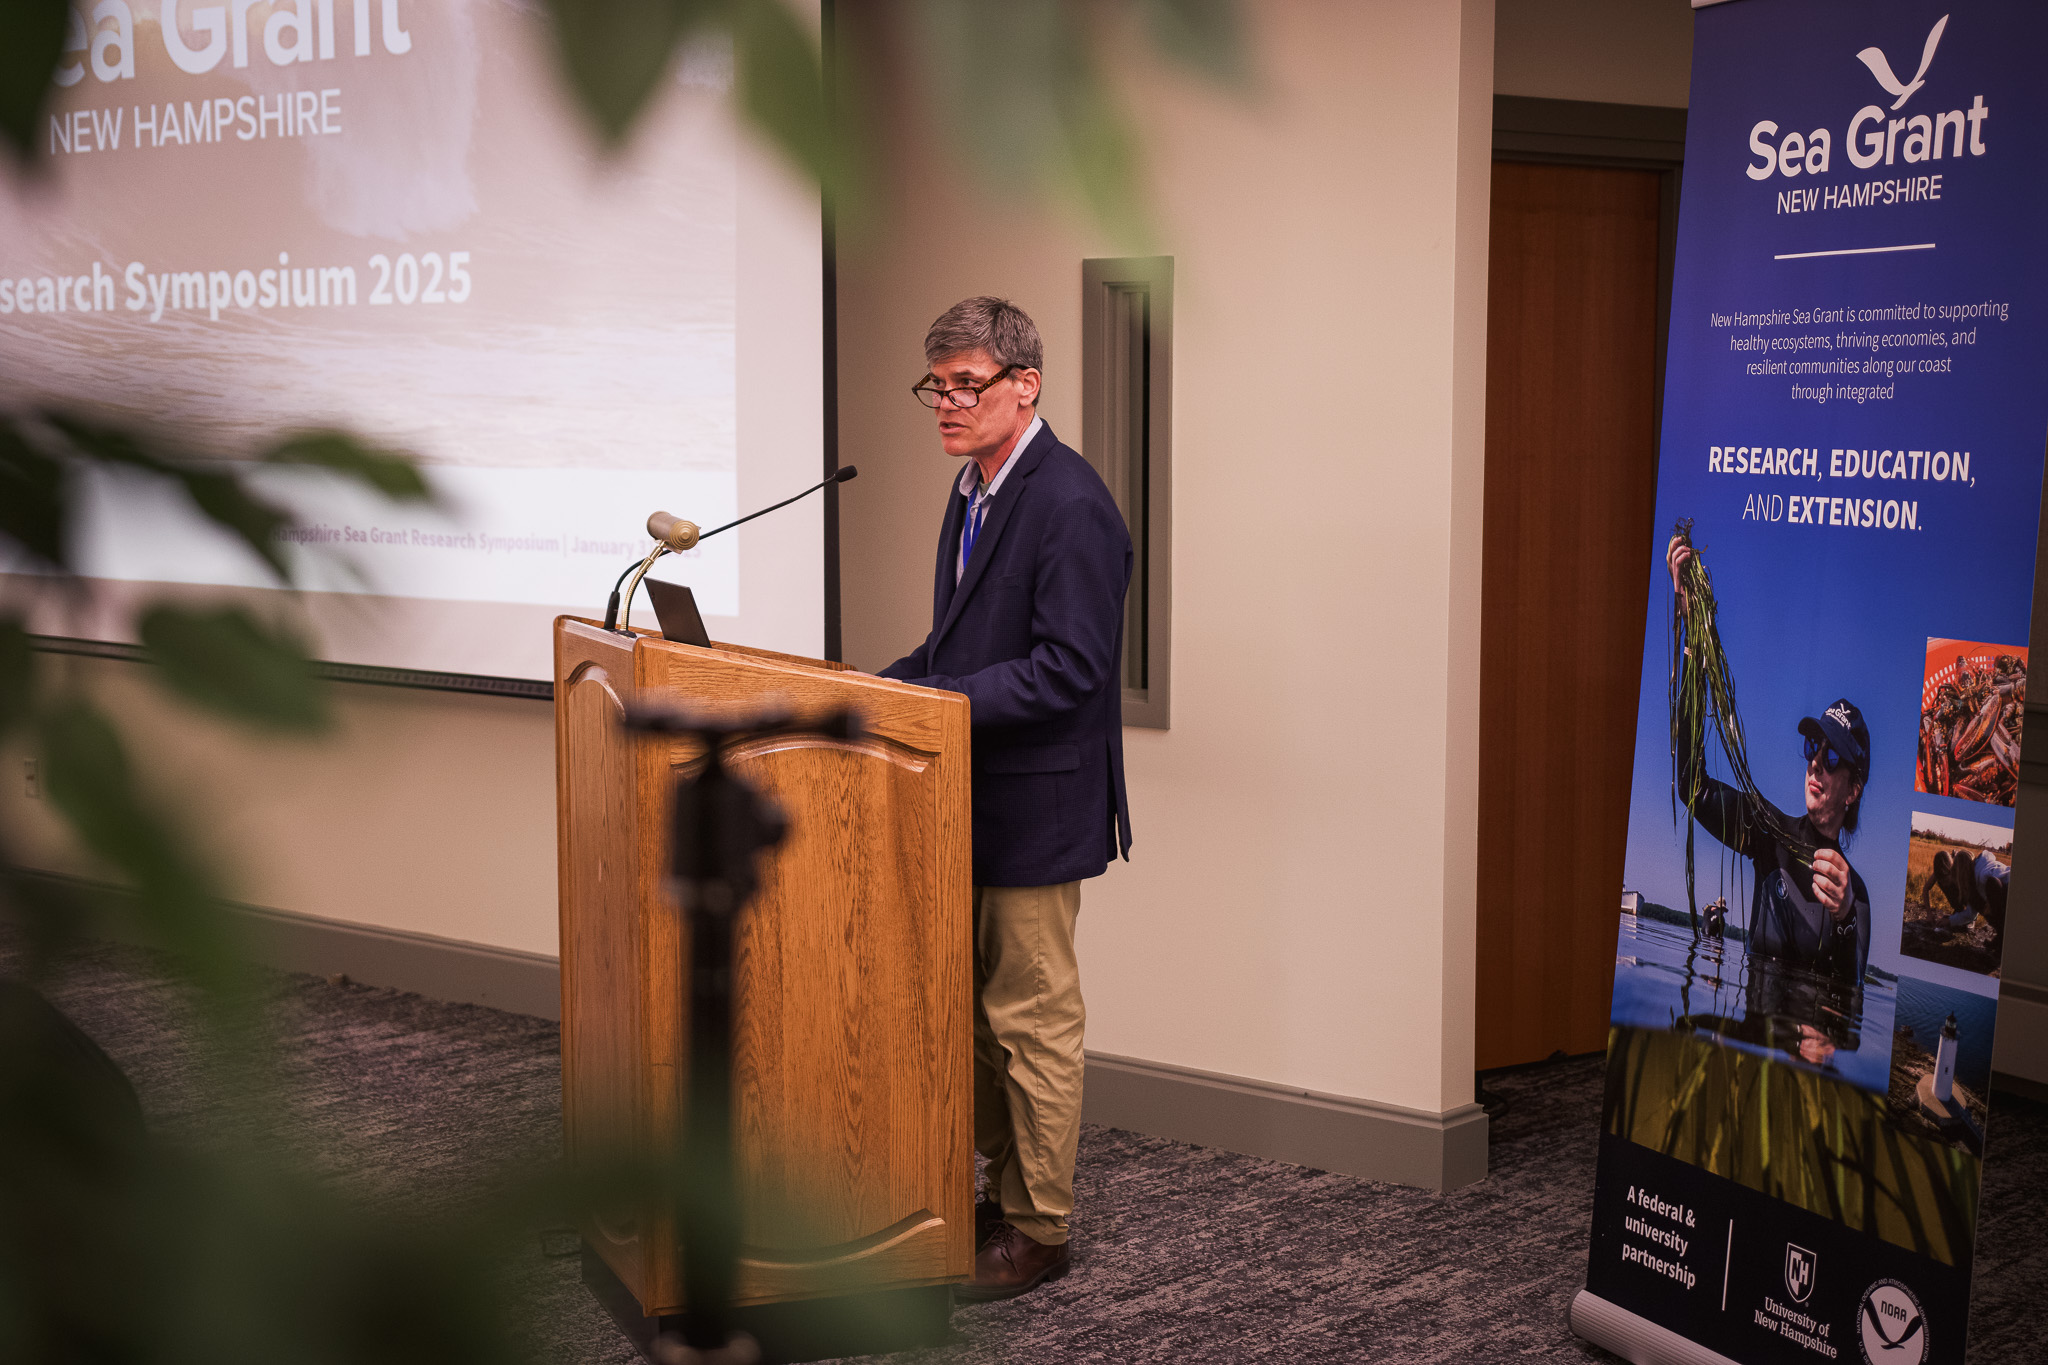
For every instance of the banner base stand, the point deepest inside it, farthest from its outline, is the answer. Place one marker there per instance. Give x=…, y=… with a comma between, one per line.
x=1635, y=1339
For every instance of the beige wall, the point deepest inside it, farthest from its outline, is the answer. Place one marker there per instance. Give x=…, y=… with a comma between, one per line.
x=1607, y=51
x=1299, y=906
x=430, y=812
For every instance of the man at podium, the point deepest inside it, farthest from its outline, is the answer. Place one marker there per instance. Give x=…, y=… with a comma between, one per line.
x=1027, y=621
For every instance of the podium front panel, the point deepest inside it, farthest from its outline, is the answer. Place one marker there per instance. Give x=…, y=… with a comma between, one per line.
x=853, y=969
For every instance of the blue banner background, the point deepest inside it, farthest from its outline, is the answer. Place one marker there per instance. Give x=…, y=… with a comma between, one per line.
x=1812, y=612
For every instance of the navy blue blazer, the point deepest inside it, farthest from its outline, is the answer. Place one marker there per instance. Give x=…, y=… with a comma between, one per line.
x=1033, y=634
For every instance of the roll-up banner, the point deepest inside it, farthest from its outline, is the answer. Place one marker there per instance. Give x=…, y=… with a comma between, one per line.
x=1834, y=675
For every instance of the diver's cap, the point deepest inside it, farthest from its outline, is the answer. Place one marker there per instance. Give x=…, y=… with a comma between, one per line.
x=1841, y=727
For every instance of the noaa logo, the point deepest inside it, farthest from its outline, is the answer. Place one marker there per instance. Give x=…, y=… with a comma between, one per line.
x=1874, y=59
x=1890, y=1325
x=1800, y=1267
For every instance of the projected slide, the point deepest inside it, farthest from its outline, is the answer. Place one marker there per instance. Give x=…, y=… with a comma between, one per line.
x=385, y=215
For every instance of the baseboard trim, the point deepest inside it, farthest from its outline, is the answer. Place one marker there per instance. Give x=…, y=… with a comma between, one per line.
x=1258, y=1118
x=425, y=964
x=1283, y=1123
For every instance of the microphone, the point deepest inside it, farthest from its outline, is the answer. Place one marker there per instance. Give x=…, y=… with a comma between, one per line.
x=674, y=532
x=672, y=535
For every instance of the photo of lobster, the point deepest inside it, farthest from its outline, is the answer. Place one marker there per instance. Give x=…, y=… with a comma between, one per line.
x=1973, y=707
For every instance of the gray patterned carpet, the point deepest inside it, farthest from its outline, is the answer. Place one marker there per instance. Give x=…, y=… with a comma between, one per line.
x=1184, y=1254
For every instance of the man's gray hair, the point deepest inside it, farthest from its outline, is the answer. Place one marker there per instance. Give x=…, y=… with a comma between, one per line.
x=985, y=323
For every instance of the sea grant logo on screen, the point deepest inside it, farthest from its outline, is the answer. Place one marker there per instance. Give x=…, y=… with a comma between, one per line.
x=295, y=31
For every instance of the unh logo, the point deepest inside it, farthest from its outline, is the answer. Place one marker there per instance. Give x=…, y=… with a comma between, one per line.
x=1800, y=1267
x=1874, y=59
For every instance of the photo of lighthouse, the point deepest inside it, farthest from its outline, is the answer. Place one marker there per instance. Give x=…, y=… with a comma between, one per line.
x=1941, y=1062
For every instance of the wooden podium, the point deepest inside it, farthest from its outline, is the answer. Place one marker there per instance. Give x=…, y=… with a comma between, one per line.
x=852, y=1085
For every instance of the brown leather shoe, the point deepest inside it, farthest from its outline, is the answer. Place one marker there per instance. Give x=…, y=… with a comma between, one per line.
x=1010, y=1264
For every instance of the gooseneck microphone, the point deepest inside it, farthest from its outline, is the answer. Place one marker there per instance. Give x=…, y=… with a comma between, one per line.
x=672, y=535
x=678, y=535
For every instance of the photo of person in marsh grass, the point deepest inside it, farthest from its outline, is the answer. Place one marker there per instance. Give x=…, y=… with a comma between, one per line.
x=1956, y=880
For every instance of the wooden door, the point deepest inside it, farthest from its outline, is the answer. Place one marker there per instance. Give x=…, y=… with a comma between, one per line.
x=1570, y=479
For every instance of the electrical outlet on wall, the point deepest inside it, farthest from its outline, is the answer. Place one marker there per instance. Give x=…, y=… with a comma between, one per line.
x=32, y=779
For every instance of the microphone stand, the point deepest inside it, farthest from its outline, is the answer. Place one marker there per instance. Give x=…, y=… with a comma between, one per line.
x=720, y=825
x=611, y=606
x=611, y=609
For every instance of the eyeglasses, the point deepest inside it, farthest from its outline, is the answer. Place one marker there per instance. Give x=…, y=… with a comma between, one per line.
x=1833, y=759
x=930, y=393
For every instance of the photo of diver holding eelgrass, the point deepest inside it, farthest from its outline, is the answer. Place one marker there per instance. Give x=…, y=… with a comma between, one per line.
x=1807, y=905
x=1763, y=1054
x=1779, y=964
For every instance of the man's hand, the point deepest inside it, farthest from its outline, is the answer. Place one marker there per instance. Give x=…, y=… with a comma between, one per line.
x=1831, y=883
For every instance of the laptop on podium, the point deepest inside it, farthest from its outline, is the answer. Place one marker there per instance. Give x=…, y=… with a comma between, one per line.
x=675, y=607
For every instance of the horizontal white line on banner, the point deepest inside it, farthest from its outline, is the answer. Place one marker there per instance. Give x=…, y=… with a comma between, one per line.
x=1852, y=251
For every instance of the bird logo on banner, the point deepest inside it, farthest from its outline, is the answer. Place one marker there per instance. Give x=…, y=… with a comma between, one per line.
x=1874, y=59
x=1893, y=1330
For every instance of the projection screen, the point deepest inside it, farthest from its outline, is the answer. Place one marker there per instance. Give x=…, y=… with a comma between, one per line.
x=256, y=216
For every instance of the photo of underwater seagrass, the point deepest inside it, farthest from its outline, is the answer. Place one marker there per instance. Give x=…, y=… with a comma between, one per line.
x=1972, y=709
x=1956, y=879
x=1941, y=1062
x=1756, y=981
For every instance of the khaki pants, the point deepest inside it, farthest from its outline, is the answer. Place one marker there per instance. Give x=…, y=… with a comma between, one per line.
x=1028, y=1018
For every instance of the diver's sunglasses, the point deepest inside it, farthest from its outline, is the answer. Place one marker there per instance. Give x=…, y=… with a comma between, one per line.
x=1833, y=759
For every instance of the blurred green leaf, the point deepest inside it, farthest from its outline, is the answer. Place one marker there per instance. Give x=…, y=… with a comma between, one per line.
x=33, y=511
x=1103, y=160
x=1044, y=106
x=1207, y=36
x=226, y=660
x=615, y=54
x=389, y=473
x=219, y=494
x=232, y=507
x=108, y=445
x=17, y=674
x=57, y=914
x=87, y=775
x=31, y=41
x=780, y=84
x=227, y=1258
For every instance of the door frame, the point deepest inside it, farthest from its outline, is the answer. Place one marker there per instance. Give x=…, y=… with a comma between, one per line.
x=1640, y=137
